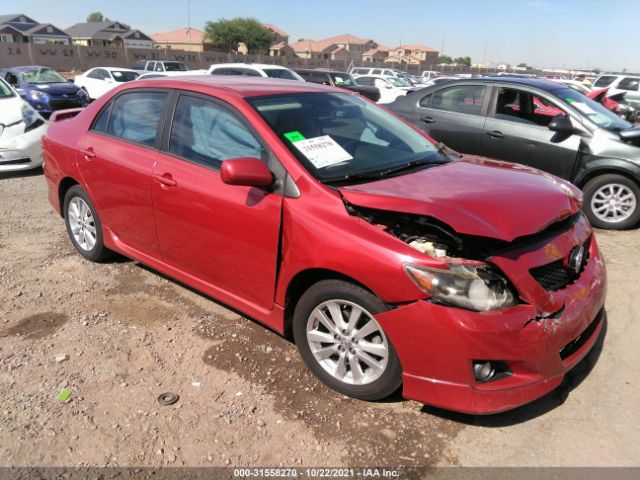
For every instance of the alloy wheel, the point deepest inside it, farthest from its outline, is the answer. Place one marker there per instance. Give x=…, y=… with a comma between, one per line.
x=613, y=203
x=82, y=223
x=347, y=342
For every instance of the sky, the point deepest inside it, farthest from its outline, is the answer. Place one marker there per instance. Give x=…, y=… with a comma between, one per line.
x=543, y=33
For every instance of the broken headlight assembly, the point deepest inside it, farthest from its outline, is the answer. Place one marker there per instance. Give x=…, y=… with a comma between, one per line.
x=474, y=285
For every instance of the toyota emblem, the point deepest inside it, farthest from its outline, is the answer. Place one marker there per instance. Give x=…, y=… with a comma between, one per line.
x=576, y=258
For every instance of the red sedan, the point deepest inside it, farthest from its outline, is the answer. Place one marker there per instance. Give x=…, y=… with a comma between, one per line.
x=474, y=285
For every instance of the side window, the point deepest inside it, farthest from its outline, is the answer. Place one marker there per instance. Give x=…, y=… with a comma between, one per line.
x=100, y=122
x=135, y=116
x=97, y=74
x=159, y=67
x=525, y=107
x=380, y=83
x=367, y=81
x=629, y=83
x=221, y=71
x=604, y=81
x=460, y=99
x=376, y=71
x=425, y=101
x=151, y=66
x=207, y=133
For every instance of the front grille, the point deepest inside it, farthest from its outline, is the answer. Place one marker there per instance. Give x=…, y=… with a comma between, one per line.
x=557, y=275
x=575, y=345
x=64, y=104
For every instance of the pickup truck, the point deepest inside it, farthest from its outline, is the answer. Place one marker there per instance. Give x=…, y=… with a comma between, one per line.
x=160, y=66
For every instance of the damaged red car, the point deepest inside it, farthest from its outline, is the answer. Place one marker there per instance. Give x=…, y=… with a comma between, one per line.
x=471, y=284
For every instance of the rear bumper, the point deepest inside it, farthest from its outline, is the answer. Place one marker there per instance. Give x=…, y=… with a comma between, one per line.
x=437, y=345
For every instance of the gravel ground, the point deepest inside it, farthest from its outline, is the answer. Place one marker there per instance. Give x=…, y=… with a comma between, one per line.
x=118, y=335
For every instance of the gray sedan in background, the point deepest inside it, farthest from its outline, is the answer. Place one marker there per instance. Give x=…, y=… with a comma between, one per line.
x=542, y=124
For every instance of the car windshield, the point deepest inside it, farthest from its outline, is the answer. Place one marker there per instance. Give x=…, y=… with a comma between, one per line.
x=121, y=76
x=175, y=67
x=41, y=75
x=282, y=73
x=398, y=82
x=594, y=111
x=343, y=80
x=339, y=137
x=5, y=91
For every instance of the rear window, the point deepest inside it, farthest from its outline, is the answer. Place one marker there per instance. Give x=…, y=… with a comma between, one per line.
x=604, y=81
x=175, y=67
x=281, y=73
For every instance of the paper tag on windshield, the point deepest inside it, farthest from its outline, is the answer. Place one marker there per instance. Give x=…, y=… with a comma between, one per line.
x=322, y=151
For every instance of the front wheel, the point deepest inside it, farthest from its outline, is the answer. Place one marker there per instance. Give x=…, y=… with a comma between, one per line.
x=342, y=343
x=611, y=202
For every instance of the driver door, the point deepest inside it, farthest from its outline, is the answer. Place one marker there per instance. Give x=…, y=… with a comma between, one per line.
x=516, y=130
x=224, y=235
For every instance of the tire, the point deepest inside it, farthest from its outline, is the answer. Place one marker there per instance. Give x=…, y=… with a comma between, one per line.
x=361, y=379
x=623, y=213
x=88, y=239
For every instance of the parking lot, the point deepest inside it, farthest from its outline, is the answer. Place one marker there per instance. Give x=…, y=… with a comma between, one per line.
x=118, y=335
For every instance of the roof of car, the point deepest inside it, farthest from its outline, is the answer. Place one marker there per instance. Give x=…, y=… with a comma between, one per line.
x=539, y=83
x=115, y=69
x=241, y=85
x=249, y=65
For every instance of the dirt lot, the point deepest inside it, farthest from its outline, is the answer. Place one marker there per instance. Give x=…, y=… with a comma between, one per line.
x=118, y=335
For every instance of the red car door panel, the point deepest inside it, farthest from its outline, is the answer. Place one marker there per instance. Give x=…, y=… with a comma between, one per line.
x=118, y=177
x=223, y=234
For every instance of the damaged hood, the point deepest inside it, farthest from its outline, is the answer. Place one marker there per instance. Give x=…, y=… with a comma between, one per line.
x=475, y=196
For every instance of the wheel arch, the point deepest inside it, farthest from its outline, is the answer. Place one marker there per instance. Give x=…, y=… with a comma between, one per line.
x=63, y=187
x=614, y=166
x=302, y=281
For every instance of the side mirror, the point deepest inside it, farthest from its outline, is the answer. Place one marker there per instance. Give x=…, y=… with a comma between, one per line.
x=562, y=124
x=388, y=86
x=248, y=172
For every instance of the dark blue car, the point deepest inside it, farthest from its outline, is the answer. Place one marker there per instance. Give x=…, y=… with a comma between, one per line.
x=45, y=89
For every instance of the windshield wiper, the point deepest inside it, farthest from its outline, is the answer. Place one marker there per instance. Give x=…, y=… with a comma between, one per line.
x=378, y=174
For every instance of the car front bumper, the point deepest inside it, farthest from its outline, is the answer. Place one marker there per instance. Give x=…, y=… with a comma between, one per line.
x=438, y=344
x=22, y=151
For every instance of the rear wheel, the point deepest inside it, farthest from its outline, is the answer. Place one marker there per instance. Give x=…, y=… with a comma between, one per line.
x=342, y=343
x=83, y=225
x=612, y=202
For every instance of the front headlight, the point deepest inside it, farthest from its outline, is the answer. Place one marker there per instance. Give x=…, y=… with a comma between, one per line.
x=474, y=286
x=30, y=117
x=36, y=95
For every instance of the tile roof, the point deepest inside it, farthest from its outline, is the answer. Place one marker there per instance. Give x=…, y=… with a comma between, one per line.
x=180, y=36
x=421, y=48
x=276, y=30
x=347, y=38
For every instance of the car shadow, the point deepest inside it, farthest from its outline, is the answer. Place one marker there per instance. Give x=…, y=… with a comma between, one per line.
x=539, y=407
x=33, y=172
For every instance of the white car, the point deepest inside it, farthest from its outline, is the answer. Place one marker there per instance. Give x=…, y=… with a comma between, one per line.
x=21, y=128
x=391, y=88
x=98, y=81
x=429, y=74
x=255, y=70
x=575, y=84
x=188, y=73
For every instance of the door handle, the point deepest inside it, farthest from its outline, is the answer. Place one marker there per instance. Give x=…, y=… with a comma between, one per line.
x=88, y=153
x=428, y=119
x=495, y=134
x=165, y=180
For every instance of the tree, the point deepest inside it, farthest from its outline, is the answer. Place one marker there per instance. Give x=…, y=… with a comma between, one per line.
x=97, y=17
x=445, y=59
x=463, y=61
x=228, y=34
x=522, y=65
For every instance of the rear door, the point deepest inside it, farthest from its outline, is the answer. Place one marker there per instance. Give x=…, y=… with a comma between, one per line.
x=517, y=130
x=224, y=235
x=116, y=161
x=454, y=115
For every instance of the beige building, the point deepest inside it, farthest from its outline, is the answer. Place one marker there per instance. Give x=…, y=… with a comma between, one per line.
x=340, y=47
x=413, y=55
x=377, y=55
x=188, y=39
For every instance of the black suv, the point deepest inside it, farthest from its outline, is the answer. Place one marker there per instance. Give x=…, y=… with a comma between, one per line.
x=338, y=79
x=542, y=124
